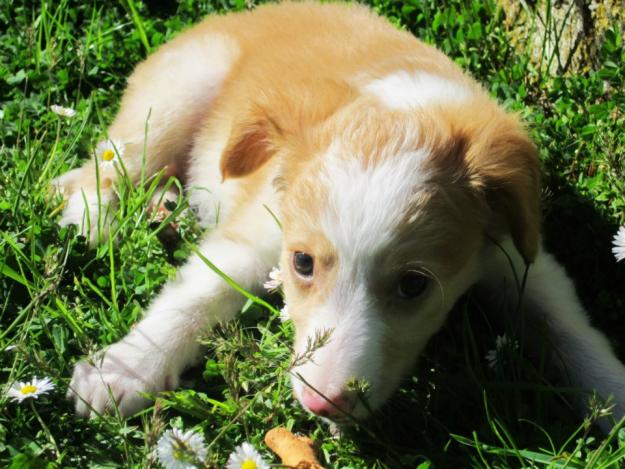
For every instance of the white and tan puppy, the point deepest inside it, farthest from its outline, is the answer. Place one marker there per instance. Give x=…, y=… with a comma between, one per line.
x=398, y=183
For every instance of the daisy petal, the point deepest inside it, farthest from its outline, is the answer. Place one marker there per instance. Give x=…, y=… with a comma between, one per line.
x=246, y=456
x=284, y=314
x=108, y=152
x=181, y=450
x=275, y=280
x=618, y=244
x=62, y=111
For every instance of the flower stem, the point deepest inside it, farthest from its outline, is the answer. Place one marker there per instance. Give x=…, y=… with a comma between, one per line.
x=46, y=430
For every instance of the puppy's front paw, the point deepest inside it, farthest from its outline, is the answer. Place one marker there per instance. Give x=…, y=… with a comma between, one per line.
x=87, y=208
x=116, y=381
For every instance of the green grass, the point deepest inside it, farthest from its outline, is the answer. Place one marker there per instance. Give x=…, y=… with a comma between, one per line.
x=60, y=300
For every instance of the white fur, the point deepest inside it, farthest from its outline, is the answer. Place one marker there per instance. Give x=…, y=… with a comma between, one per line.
x=90, y=211
x=405, y=90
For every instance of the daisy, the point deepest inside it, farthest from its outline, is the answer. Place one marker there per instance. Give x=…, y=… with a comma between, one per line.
x=245, y=456
x=491, y=358
x=284, y=314
x=109, y=151
x=618, y=248
x=30, y=389
x=62, y=111
x=502, y=342
x=181, y=450
x=275, y=280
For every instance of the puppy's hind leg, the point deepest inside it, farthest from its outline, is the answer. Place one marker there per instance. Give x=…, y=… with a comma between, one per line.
x=582, y=353
x=158, y=349
x=163, y=107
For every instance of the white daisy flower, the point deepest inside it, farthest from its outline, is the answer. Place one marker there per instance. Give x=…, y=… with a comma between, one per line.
x=62, y=111
x=109, y=151
x=618, y=248
x=502, y=342
x=275, y=280
x=31, y=389
x=245, y=456
x=181, y=450
x=284, y=314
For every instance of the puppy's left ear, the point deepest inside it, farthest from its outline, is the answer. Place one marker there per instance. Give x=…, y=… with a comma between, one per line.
x=251, y=144
x=504, y=164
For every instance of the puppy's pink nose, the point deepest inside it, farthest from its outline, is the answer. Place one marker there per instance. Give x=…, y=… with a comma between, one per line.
x=332, y=407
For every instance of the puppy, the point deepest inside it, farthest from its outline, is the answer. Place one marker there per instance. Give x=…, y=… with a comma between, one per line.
x=398, y=184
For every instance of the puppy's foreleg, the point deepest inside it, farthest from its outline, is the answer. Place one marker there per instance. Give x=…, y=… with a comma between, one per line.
x=582, y=352
x=156, y=351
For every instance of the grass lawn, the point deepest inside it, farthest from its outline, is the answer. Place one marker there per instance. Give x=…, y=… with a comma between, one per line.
x=60, y=299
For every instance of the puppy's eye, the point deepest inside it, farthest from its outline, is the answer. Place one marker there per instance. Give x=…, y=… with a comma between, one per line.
x=303, y=264
x=411, y=285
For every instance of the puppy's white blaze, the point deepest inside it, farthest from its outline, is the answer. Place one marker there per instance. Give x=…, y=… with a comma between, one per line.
x=354, y=349
x=405, y=90
x=365, y=204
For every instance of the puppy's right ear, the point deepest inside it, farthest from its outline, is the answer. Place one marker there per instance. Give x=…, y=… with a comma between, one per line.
x=251, y=144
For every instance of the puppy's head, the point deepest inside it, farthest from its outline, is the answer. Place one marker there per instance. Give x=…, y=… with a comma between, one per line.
x=384, y=215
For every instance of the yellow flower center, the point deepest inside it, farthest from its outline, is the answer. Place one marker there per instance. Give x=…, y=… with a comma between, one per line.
x=249, y=464
x=108, y=154
x=28, y=389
